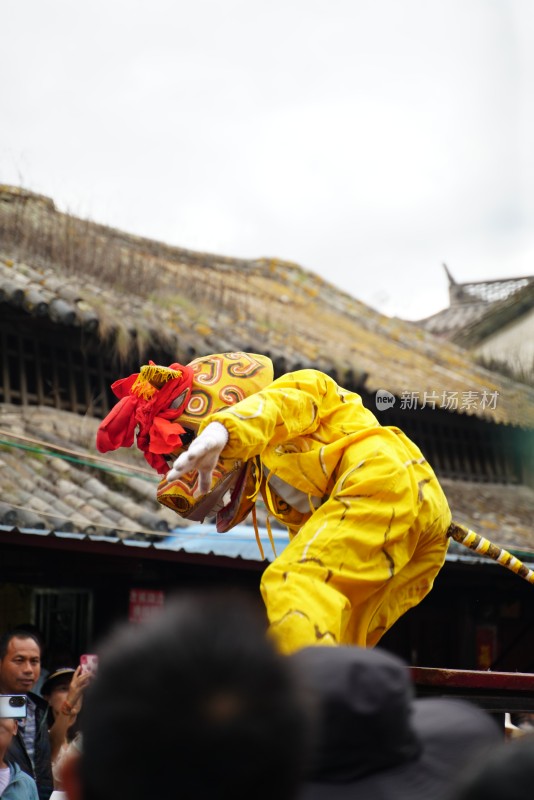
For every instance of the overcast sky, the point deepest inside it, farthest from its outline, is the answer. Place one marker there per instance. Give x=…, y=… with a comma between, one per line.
x=367, y=140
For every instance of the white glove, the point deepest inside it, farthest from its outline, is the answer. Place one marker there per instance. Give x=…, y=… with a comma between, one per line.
x=202, y=455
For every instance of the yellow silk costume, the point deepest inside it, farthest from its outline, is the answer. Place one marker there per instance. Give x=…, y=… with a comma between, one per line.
x=368, y=521
x=373, y=536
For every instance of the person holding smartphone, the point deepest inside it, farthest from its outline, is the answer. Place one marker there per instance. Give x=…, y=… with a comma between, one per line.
x=14, y=783
x=20, y=667
x=63, y=690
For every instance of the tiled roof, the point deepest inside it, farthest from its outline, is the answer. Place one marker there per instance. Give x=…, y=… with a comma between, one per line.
x=496, y=316
x=450, y=320
x=52, y=478
x=502, y=513
x=488, y=291
x=149, y=295
x=478, y=309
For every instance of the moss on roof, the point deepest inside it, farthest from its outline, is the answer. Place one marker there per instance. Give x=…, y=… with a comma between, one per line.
x=150, y=295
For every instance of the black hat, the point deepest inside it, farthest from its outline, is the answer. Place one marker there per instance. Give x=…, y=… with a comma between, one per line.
x=374, y=740
x=58, y=676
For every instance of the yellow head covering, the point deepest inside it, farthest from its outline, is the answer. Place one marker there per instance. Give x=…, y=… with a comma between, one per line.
x=222, y=380
x=219, y=381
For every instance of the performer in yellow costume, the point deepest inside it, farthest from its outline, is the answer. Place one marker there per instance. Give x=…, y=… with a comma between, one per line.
x=366, y=515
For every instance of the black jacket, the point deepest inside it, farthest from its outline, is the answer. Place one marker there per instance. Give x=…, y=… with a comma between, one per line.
x=42, y=774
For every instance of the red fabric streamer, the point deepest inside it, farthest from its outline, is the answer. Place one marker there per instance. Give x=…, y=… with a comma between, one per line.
x=157, y=434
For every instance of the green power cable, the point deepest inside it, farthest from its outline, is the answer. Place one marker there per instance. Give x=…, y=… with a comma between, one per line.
x=75, y=460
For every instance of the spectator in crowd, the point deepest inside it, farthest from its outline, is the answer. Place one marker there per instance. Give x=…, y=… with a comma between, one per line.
x=20, y=659
x=73, y=751
x=32, y=630
x=14, y=783
x=508, y=775
x=374, y=741
x=195, y=704
x=63, y=690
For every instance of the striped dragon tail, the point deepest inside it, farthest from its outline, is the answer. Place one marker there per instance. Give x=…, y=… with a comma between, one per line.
x=486, y=548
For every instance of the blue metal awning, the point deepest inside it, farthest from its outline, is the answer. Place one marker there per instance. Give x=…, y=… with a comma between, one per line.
x=240, y=542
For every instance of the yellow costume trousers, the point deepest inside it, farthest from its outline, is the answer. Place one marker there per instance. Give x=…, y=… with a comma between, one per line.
x=360, y=561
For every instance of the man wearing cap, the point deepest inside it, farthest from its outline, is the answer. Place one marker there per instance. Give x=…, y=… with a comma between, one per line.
x=20, y=666
x=366, y=516
x=374, y=740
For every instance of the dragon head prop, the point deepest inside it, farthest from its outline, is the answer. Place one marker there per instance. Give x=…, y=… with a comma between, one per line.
x=162, y=408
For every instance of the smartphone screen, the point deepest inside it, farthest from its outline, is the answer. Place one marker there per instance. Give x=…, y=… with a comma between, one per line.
x=89, y=662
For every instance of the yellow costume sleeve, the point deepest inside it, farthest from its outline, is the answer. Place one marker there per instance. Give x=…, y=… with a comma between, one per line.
x=286, y=409
x=294, y=405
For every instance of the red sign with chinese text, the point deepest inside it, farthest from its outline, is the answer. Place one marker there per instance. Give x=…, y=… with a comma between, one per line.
x=144, y=604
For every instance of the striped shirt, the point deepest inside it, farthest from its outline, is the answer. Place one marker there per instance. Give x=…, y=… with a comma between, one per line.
x=28, y=730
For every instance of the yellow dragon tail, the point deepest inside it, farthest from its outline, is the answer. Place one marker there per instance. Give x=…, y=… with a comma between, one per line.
x=486, y=548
